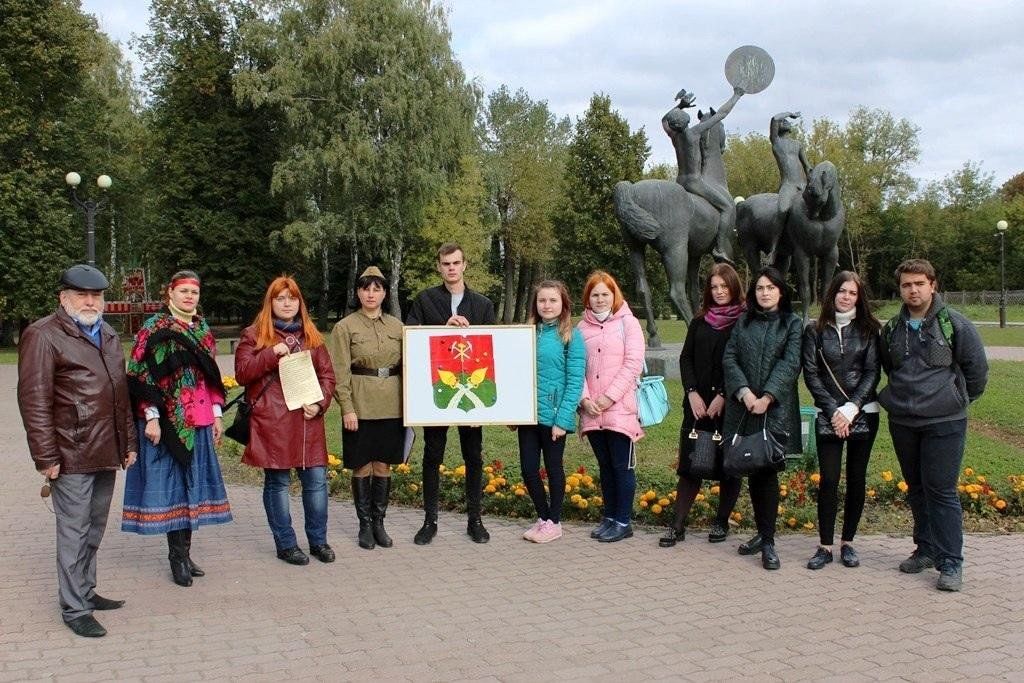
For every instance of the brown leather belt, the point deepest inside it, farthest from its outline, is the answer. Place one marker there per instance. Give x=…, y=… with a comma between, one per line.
x=383, y=373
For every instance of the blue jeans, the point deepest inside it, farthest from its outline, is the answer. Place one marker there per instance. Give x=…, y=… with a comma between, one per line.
x=314, y=505
x=533, y=441
x=930, y=458
x=616, y=462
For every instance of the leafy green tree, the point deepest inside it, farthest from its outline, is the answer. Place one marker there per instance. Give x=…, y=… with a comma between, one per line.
x=211, y=156
x=603, y=152
x=460, y=213
x=750, y=165
x=65, y=104
x=873, y=154
x=524, y=147
x=377, y=116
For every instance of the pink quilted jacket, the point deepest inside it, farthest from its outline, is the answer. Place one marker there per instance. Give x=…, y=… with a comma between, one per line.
x=615, y=357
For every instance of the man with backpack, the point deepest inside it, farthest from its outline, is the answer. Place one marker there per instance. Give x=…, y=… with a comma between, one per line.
x=936, y=365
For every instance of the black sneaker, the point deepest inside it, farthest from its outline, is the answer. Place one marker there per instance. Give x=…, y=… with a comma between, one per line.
x=293, y=556
x=820, y=558
x=849, y=556
x=951, y=577
x=324, y=553
x=718, y=532
x=751, y=546
x=916, y=563
x=477, y=532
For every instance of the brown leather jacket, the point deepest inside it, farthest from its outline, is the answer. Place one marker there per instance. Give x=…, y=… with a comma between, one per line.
x=73, y=398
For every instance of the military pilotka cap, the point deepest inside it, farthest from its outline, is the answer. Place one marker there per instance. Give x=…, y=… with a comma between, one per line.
x=83, y=278
x=373, y=271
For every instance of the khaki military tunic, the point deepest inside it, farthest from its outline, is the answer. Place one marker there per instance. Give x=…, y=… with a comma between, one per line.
x=370, y=343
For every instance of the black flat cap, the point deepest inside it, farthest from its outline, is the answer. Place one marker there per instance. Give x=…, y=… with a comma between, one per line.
x=83, y=278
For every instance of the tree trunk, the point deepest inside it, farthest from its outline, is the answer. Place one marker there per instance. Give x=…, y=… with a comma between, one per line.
x=523, y=297
x=325, y=285
x=350, y=280
x=396, y=269
x=508, y=292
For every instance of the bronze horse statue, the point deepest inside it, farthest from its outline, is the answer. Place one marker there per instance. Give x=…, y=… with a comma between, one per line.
x=811, y=229
x=680, y=226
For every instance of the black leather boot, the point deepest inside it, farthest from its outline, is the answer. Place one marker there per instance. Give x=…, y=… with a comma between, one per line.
x=361, y=499
x=193, y=568
x=380, y=491
x=177, y=555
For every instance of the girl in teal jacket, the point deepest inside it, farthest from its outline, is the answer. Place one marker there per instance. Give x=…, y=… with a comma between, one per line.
x=561, y=366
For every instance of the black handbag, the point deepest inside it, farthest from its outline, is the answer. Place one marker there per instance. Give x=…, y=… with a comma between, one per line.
x=823, y=425
x=239, y=429
x=704, y=450
x=753, y=453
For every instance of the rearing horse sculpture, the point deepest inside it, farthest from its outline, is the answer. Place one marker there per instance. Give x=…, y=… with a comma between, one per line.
x=680, y=225
x=811, y=229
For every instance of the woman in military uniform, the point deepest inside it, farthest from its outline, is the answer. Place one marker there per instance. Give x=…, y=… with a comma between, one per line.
x=366, y=348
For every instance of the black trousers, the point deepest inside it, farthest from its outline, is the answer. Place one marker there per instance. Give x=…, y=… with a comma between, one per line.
x=764, y=498
x=830, y=460
x=434, y=441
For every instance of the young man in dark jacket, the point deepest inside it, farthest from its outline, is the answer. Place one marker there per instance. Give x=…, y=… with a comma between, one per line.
x=936, y=366
x=73, y=397
x=451, y=303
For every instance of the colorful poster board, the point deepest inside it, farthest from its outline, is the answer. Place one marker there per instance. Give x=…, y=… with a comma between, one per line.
x=484, y=374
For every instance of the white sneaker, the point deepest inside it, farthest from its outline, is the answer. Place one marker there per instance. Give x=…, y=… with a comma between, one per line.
x=530, y=533
x=549, y=531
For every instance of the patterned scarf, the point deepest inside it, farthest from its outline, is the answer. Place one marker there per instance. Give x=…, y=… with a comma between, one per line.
x=164, y=369
x=721, y=317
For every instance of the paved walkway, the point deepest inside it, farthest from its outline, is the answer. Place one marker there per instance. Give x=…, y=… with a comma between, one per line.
x=508, y=610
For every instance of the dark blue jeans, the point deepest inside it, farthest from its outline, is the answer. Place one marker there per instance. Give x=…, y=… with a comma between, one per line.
x=616, y=462
x=314, y=505
x=533, y=441
x=930, y=457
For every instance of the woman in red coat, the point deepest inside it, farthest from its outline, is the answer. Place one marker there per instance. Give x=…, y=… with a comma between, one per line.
x=282, y=439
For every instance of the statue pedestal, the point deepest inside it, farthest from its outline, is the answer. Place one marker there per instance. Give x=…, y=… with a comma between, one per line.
x=664, y=360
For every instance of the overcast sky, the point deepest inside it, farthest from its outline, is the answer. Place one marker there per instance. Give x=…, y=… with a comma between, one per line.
x=951, y=68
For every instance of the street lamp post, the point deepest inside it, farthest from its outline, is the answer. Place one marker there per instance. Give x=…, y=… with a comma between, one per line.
x=1001, y=227
x=90, y=208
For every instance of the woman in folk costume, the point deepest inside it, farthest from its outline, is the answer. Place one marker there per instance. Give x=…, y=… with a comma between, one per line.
x=176, y=485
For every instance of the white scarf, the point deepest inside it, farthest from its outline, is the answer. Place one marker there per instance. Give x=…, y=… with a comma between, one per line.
x=601, y=317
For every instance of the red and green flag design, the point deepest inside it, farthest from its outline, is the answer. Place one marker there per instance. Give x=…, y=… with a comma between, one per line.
x=462, y=371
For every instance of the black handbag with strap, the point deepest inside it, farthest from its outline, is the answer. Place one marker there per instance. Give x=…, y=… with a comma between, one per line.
x=239, y=430
x=753, y=453
x=704, y=452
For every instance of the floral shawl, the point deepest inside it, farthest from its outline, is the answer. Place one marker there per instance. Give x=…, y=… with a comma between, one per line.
x=165, y=366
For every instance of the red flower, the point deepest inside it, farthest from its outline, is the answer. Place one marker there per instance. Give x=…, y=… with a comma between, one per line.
x=581, y=470
x=543, y=474
x=498, y=465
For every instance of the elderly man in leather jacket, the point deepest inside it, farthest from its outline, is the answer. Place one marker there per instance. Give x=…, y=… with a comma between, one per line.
x=73, y=397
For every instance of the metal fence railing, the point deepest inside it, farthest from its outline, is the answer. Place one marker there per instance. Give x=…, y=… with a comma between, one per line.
x=985, y=297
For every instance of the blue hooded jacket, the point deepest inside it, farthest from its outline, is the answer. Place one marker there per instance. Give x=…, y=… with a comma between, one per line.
x=560, y=371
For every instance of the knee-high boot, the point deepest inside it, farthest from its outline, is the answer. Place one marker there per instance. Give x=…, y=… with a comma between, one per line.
x=361, y=499
x=178, y=556
x=193, y=568
x=380, y=491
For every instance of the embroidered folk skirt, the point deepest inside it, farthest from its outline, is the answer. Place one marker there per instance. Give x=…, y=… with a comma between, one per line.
x=381, y=440
x=160, y=495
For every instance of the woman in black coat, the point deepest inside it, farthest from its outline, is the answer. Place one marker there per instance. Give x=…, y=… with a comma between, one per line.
x=700, y=366
x=762, y=363
x=841, y=370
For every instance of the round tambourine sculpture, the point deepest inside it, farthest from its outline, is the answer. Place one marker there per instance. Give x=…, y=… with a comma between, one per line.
x=749, y=67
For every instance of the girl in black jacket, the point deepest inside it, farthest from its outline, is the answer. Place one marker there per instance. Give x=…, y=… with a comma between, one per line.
x=841, y=370
x=700, y=366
